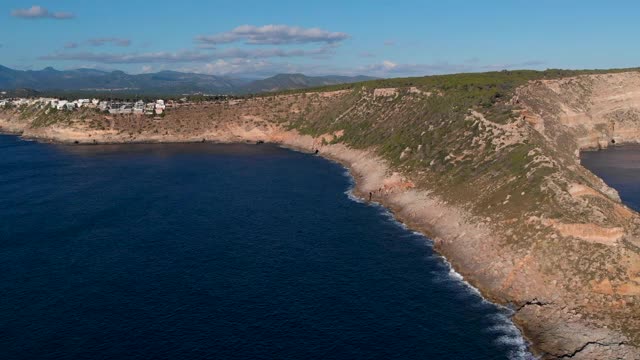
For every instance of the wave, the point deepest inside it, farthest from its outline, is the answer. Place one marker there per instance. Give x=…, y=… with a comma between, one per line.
x=507, y=334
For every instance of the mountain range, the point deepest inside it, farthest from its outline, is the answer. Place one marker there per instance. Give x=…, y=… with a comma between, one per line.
x=163, y=82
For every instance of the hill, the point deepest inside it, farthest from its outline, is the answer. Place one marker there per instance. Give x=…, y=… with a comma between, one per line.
x=283, y=82
x=164, y=82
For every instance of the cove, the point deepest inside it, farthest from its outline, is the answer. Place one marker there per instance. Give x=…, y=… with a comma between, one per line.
x=619, y=167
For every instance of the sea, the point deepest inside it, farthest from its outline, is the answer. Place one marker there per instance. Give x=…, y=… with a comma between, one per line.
x=619, y=167
x=210, y=251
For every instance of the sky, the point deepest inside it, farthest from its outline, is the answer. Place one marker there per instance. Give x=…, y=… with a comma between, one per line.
x=246, y=38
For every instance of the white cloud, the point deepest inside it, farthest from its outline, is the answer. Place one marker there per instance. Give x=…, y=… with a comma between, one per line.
x=258, y=68
x=274, y=35
x=187, y=56
x=388, y=65
x=109, y=40
x=243, y=67
x=38, y=12
x=130, y=58
x=99, y=42
x=270, y=53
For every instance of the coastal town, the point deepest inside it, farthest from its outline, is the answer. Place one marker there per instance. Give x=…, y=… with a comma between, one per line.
x=138, y=107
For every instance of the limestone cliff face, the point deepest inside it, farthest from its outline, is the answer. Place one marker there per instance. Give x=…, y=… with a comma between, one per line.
x=597, y=110
x=584, y=113
x=506, y=201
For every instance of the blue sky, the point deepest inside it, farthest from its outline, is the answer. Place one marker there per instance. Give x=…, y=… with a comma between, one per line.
x=262, y=38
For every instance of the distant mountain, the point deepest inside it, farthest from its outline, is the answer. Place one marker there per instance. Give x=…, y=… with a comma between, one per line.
x=50, y=79
x=165, y=82
x=299, y=81
x=21, y=92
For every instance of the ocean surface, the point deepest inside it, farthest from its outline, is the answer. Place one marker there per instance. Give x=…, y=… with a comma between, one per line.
x=203, y=251
x=619, y=167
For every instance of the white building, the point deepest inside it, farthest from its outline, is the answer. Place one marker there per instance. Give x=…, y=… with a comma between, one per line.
x=126, y=109
x=160, y=106
x=114, y=108
x=148, y=109
x=138, y=107
x=61, y=104
x=20, y=102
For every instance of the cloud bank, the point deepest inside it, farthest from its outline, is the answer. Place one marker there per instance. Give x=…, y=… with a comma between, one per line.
x=273, y=35
x=38, y=12
x=184, y=56
x=110, y=40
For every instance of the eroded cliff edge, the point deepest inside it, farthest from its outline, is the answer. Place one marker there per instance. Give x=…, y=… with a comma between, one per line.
x=495, y=181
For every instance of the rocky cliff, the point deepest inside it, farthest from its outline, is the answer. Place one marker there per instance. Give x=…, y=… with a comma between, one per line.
x=490, y=172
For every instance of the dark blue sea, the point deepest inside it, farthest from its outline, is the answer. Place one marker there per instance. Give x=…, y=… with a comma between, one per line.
x=203, y=251
x=619, y=167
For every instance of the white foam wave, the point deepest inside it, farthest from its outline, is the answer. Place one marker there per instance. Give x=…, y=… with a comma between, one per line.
x=508, y=334
x=352, y=186
x=503, y=329
x=510, y=341
x=353, y=197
